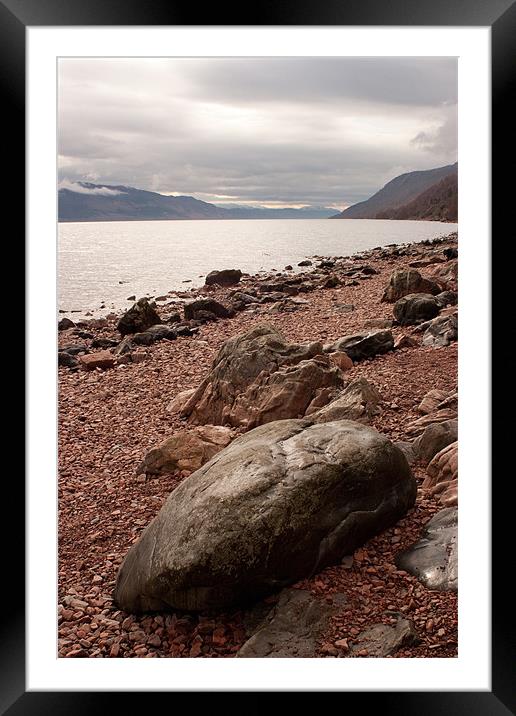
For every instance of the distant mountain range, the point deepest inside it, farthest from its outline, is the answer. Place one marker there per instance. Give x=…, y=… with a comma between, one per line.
x=430, y=194
x=85, y=201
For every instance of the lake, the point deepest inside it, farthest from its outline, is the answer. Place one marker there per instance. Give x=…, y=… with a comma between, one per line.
x=106, y=262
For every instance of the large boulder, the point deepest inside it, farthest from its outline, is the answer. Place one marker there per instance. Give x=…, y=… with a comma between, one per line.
x=363, y=345
x=226, y=277
x=237, y=365
x=415, y=307
x=138, y=318
x=434, y=559
x=185, y=450
x=406, y=281
x=280, y=503
x=358, y=401
x=200, y=307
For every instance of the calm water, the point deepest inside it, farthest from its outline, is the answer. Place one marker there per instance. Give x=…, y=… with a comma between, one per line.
x=105, y=262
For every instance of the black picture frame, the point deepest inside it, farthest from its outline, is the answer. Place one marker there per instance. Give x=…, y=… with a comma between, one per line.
x=500, y=16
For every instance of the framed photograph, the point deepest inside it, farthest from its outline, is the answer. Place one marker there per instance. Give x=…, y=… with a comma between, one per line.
x=248, y=245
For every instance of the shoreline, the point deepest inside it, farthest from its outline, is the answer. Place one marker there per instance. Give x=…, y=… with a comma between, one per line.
x=109, y=419
x=192, y=286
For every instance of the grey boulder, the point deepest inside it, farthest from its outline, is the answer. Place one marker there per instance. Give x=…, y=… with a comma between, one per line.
x=406, y=281
x=433, y=560
x=415, y=307
x=279, y=503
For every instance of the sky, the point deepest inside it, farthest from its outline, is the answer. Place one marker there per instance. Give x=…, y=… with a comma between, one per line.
x=256, y=131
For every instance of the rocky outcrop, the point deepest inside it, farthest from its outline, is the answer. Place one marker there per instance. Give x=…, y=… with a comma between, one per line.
x=290, y=392
x=138, y=318
x=185, y=450
x=408, y=281
x=226, y=277
x=433, y=560
x=358, y=401
x=278, y=504
x=241, y=361
x=442, y=473
x=418, y=427
x=414, y=308
x=363, y=345
x=293, y=627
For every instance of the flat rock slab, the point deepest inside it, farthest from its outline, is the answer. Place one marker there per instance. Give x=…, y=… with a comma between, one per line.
x=433, y=560
x=382, y=640
x=292, y=628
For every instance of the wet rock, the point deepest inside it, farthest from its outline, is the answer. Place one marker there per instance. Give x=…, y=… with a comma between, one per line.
x=226, y=277
x=415, y=307
x=363, y=345
x=305, y=262
x=358, y=401
x=202, y=306
x=64, y=324
x=238, y=364
x=279, y=503
x=382, y=640
x=407, y=281
x=442, y=331
x=292, y=628
x=185, y=450
x=433, y=560
x=450, y=253
x=138, y=318
x=435, y=438
x=102, y=359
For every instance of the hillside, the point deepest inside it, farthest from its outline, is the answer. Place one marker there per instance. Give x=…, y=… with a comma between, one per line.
x=397, y=193
x=100, y=202
x=438, y=203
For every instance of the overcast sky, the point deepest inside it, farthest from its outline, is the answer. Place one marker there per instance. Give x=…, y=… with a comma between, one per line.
x=277, y=132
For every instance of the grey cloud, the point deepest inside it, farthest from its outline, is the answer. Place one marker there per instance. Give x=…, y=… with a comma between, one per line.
x=283, y=129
